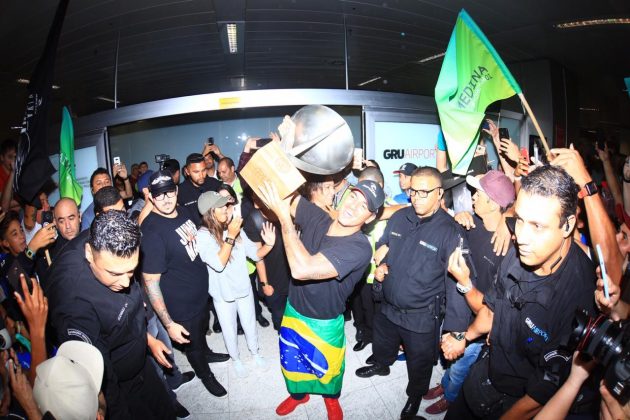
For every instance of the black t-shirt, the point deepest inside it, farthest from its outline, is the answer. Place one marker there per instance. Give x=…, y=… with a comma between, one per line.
x=188, y=194
x=486, y=262
x=169, y=248
x=532, y=321
x=276, y=264
x=82, y=308
x=350, y=255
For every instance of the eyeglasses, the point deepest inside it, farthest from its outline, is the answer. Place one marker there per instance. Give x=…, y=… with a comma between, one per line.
x=421, y=193
x=161, y=197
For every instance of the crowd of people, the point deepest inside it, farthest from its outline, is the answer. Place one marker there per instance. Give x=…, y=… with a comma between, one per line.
x=521, y=297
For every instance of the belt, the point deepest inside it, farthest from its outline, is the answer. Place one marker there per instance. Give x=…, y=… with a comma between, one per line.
x=411, y=310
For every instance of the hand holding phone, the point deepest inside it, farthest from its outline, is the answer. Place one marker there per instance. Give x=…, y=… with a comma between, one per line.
x=116, y=160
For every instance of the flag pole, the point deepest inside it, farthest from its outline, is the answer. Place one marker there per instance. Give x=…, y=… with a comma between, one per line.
x=538, y=130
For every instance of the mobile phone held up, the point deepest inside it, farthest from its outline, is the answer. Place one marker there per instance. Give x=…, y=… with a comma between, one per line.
x=504, y=133
x=13, y=277
x=210, y=140
x=117, y=160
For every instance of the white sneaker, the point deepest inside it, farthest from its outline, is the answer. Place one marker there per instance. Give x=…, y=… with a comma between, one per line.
x=260, y=362
x=240, y=369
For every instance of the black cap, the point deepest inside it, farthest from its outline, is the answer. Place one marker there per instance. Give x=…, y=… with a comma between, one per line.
x=161, y=182
x=477, y=167
x=194, y=158
x=406, y=169
x=373, y=193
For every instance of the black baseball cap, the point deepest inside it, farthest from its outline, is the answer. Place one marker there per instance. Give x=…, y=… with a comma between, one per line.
x=194, y=158
x=161, y=182
x=373, y=193
x=406, y=169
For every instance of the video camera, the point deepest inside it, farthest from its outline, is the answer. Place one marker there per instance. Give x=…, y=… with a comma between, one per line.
x=161, y=159
x=608, y=342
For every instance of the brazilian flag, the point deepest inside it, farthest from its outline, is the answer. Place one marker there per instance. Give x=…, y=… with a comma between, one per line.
x=312, y=353
x=473, y=76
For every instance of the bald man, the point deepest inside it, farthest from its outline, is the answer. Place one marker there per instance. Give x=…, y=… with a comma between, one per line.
x=67, y=219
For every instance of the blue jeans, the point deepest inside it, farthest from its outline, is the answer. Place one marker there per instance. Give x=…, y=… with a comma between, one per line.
x=455, y=375
x=173, y=376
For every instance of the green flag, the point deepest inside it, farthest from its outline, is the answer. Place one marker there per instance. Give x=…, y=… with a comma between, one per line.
x=68, y=185
x=472, y=77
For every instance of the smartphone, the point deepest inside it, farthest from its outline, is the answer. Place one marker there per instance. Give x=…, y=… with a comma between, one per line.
x=262, y=142
x=210, y=140
x=357, y=159
x=117, y=160
x=504, y=133
x=47, y=217
x=602, y=267
x=480, y=150
x=525, y=153
x=14, y=278
x=485, y=125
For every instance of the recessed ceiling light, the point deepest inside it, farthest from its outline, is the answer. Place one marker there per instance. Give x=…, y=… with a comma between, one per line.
x=23, y=81
x=592, y=22
x=367, y=82
x=431, y=58
x=589, y=109
x=232, y=37
x=105, y=99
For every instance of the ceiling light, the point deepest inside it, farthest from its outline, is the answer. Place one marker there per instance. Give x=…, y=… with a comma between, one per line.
x=431, y=58
x=232, y=40
x=232, y=34
x=367, y=82
x=103, y=98
x=589, y=109
x=23, y=81
x=55, y=87
x=592, y=22
x=16, y=127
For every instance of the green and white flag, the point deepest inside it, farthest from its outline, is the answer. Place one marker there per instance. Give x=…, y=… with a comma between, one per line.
x=472, y=77
x=68, y=185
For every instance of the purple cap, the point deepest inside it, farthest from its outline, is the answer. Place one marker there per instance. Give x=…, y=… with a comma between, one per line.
x=497, y=185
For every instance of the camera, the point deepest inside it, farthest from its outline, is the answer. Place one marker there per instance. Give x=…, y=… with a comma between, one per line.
x=608, y=342
x=47, y=217
x=161, y=159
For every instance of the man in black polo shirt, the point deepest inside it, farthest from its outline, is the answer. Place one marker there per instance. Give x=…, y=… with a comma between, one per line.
x=175, y=278
x=195, y=184
x=93, y=298
x=530, y=309
x=327, y=260
x=416, y=288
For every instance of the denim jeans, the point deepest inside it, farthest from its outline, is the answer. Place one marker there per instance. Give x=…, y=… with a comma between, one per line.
x=455, y=375
x=172, y=376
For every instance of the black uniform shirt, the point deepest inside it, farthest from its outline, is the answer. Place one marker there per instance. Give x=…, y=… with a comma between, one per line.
x=82, y=308
x=350, y=255
x=524, y=342
x=188, y=194
x=418, y=279
x=276, y=264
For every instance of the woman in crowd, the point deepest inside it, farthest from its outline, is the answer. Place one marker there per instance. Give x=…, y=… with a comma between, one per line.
x=224, y=248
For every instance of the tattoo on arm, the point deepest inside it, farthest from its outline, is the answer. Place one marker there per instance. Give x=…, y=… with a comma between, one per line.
x=154, y=293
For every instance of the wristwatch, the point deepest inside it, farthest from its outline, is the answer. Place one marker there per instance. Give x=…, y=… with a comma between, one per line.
x=264, y=283
x=459, y=336
x=589, y=189
x=29, y=253
x=229, y=241
x=464, y=289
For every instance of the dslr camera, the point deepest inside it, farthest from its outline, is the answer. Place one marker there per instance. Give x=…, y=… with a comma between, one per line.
x=608, y=342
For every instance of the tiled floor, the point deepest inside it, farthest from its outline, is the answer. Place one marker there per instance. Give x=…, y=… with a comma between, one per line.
x=256, y=397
